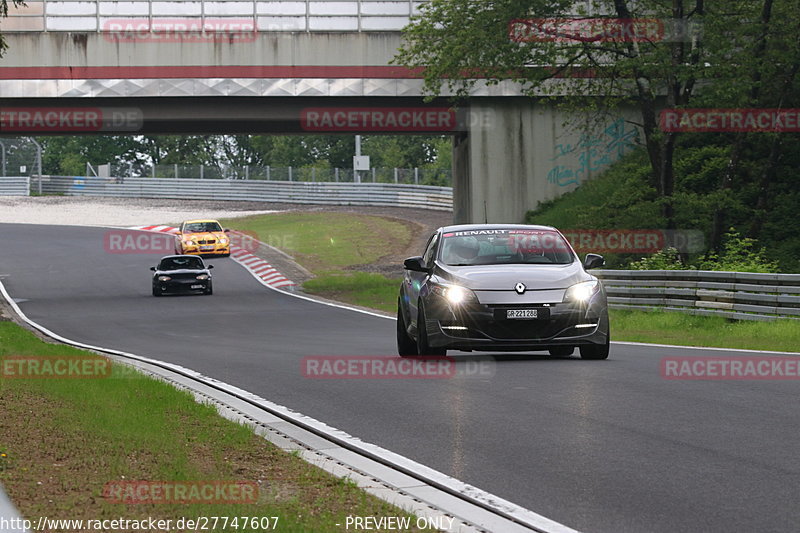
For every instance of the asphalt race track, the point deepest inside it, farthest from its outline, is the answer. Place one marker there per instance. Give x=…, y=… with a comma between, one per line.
x=603, y=446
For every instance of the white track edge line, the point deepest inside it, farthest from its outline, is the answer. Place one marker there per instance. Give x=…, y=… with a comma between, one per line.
x=713, y=348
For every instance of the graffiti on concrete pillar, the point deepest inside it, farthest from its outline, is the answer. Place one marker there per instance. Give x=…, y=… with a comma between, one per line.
x=594, y=152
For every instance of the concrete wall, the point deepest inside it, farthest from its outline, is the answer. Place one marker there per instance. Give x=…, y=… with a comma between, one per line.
x=523, y=152
x=64, y=49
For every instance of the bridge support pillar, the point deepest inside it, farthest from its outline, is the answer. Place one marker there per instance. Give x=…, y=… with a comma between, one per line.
x=519, y=152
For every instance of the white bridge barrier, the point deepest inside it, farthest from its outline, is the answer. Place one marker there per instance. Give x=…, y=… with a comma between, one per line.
x=739, y=295
x=298, y=192
x=14, y=186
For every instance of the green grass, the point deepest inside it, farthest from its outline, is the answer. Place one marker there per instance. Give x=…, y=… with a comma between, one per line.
x=325, y=241
x=328, y=243
x=686, y=330
x=66, y=438
x=361, y=288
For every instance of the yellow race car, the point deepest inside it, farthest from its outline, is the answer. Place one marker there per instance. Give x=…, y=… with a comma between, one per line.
x=202, y=237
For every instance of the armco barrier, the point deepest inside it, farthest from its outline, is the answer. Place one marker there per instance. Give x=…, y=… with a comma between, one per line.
x=739, y=295
x=14, y=186
x=376, y=194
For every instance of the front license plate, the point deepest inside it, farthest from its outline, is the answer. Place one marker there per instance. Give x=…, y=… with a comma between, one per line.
x=197, y=286
x=206, y=248
x=522, y=313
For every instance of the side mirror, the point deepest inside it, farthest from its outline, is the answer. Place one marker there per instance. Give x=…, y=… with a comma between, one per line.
x=415, y=264
x=593, y=261
x=153, y=269
x=226, y=230
x=210, y=267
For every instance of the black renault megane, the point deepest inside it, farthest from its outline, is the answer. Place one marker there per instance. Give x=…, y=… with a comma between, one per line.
x=500, y=287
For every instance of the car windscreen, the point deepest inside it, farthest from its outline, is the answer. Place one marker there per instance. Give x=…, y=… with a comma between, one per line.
x=178, y=263
x=504, y=246
x=201, y=227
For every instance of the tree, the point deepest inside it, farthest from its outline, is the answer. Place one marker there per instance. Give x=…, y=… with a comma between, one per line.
x=766, y=48
x=549, y=53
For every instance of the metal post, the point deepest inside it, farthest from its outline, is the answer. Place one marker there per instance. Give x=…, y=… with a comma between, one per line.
x=153, y=172
x=356, y=173
x=3, y=147
x=176, y=170
x=247, y=172
x=269, y=177
x=373, y=174
x=290, y=173
x=201, y=171
x=38, y=161
x=416, y=175
x=336, y=174
x=314, y=174
x=395, y=174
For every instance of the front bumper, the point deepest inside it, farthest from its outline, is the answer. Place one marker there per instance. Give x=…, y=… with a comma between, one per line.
x=207, y=249
x=485, y=327
x=182, y=286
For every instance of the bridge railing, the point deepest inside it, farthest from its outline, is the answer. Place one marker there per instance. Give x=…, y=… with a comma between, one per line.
x=373, y=194
x=738, y=295
x=210, y=15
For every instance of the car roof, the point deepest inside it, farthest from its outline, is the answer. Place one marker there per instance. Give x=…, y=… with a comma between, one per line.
x=200, y=220
x=180, y=255
x=463, y=227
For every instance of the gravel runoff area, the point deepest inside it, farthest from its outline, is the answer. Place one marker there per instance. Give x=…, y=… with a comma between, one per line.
x=93, y=211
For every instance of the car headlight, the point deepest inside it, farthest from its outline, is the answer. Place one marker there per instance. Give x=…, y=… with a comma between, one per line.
x=188, y=242
x=223, y=241
x=164, y=278
x=455, y=294
x=202, y=276
x=582, y=292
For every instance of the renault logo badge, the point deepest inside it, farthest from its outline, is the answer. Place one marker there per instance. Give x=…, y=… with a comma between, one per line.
x=520, y=288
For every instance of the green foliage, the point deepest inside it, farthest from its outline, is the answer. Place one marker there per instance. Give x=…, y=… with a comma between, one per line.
x=739, y=254
x=622, y=198
x=68, y=155
x=666, y=259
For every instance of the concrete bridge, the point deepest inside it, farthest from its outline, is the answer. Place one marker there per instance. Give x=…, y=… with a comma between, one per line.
x=282, y=66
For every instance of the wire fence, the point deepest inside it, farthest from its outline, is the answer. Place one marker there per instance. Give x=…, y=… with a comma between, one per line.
x=415, y=176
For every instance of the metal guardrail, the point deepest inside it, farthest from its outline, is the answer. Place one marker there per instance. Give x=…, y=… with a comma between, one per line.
x=739, y=295
x=15, y=186
x=374, y=194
